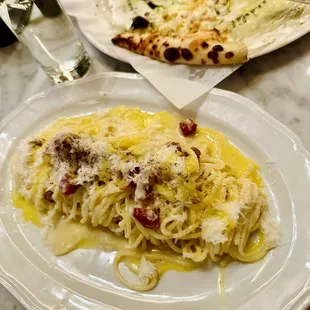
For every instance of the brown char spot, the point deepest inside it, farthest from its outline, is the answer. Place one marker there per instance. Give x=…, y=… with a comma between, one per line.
x=217, y=31
x=166, y=44
x=133, y=45
x=139, y=22
x=196, y=49
x=171, y=54
x=154, y=47
x=186, y=54
x=204, y=44
x=152, y=5
x=151, y=53
x=157, y=54
x=229, y=55
x=123, y=42
x=203, y=61
x=218, y=48
x=214, y=56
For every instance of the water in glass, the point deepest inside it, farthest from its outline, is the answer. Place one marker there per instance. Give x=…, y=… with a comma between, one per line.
x=47, y=31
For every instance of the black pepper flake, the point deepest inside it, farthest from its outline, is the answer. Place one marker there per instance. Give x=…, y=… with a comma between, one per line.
x=176, y=144
x=36, y=143
x=136, y=170
x=48, y=195
x=196, y=151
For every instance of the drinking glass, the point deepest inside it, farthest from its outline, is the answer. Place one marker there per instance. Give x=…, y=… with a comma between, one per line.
x=44, y=27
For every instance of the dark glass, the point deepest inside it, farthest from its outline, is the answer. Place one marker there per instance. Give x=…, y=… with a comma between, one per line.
x=49, y=8
x=6, y=35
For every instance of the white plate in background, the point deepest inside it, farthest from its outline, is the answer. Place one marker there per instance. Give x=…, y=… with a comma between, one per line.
x=260, y=38
x=84, y=279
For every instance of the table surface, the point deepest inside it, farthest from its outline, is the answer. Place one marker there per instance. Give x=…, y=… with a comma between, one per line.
x=279, y=82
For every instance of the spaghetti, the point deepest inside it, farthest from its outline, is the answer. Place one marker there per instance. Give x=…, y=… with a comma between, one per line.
x=179, y=194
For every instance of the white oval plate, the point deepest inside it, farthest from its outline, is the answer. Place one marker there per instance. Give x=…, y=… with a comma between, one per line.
x=84, y=279
x=99, y=31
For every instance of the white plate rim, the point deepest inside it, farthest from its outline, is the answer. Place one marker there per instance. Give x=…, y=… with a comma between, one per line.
x=12, y=284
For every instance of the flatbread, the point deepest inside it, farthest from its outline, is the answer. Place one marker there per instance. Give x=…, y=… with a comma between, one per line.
x=193, y=32
x=202, y=48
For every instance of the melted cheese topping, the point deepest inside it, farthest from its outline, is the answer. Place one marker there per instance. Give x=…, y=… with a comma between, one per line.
x=213, y=230
x=167, y=17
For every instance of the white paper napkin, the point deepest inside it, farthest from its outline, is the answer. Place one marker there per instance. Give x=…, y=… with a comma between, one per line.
x=180, y=84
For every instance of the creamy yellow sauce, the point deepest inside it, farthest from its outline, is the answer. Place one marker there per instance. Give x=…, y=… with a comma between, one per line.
x=29, y=212
x=232, y=157
x=162, y=266
x=255, y=241
x=70, y=235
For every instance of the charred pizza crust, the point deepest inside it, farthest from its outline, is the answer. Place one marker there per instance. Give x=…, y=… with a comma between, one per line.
x=202, y=48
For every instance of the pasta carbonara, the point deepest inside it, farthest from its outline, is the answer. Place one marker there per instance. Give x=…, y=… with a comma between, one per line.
x=178, y=194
